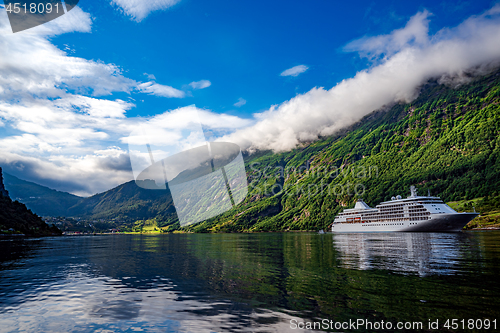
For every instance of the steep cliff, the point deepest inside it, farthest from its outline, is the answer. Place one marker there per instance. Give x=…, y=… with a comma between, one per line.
x=3, y=191
x=16, y=218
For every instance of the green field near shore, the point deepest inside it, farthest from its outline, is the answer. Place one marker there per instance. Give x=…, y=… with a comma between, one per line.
x=488, y=208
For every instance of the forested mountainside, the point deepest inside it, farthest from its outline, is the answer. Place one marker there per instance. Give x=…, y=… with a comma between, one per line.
x=445, y=142
x=127, y=203
x=16, y=218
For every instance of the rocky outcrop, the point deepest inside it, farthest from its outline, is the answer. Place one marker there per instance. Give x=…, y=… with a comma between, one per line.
x=15, y=218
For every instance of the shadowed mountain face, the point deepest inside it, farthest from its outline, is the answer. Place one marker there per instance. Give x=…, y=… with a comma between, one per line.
x=40, y=199
x=15, y=216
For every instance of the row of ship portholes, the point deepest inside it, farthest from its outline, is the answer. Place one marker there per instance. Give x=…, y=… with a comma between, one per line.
x=379, y=225
x=370, y=223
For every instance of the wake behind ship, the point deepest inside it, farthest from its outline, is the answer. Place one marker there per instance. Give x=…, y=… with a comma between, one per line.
x=415, y=213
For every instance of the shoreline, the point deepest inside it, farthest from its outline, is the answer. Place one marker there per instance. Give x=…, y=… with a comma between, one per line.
x=495, y=228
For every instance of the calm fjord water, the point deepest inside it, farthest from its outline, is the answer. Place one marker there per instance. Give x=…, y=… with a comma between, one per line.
x=244, y=282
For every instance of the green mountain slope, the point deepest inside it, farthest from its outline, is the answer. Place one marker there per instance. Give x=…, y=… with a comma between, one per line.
x=446, y=142
x=126, y=204
x=40, y=199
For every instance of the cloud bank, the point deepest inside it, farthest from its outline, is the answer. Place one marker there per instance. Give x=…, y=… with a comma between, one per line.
x=403, y=61
x=414, y=33
x=59, y=123
x=140, y=9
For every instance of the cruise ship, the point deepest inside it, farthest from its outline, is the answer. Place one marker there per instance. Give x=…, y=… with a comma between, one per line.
x=415, y=213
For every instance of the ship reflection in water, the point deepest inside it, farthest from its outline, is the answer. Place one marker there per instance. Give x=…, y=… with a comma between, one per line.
x=412, y=253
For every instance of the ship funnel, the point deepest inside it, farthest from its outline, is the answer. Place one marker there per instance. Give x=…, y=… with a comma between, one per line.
x=360, y=204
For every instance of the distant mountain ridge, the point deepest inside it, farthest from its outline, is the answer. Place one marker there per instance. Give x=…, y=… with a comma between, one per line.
x=40, y=199
x=128, y=203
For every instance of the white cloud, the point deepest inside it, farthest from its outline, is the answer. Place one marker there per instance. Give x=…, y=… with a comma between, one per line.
x=31, y=65
x=295, y=71
x=140, y=9
x=156, y=89
x=83, y=175
x=411, y=58
x=170, y=124
x=150, y=76
x=200, y=84
x=240, y=102
x=173, y=132
x=71, y=141
x=49, y=105
x=60, y=141
x=75, y=20
x=221, y=121
x=415, y=33
x=61, y=131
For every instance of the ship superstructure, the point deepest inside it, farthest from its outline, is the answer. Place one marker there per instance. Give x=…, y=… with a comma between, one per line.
x=415, y=213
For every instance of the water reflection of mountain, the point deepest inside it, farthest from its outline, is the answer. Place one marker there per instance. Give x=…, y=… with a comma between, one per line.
x=331, y=276
x=128, y=283
x=250, y=282
x=340, y=276
x=12, y=249
x=210, y=282
x=420, y=253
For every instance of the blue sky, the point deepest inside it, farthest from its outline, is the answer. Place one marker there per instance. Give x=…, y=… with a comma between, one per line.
x=241, y=47
x=262, y=74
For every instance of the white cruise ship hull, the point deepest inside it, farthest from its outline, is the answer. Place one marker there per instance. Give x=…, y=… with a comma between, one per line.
x=452, y=222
